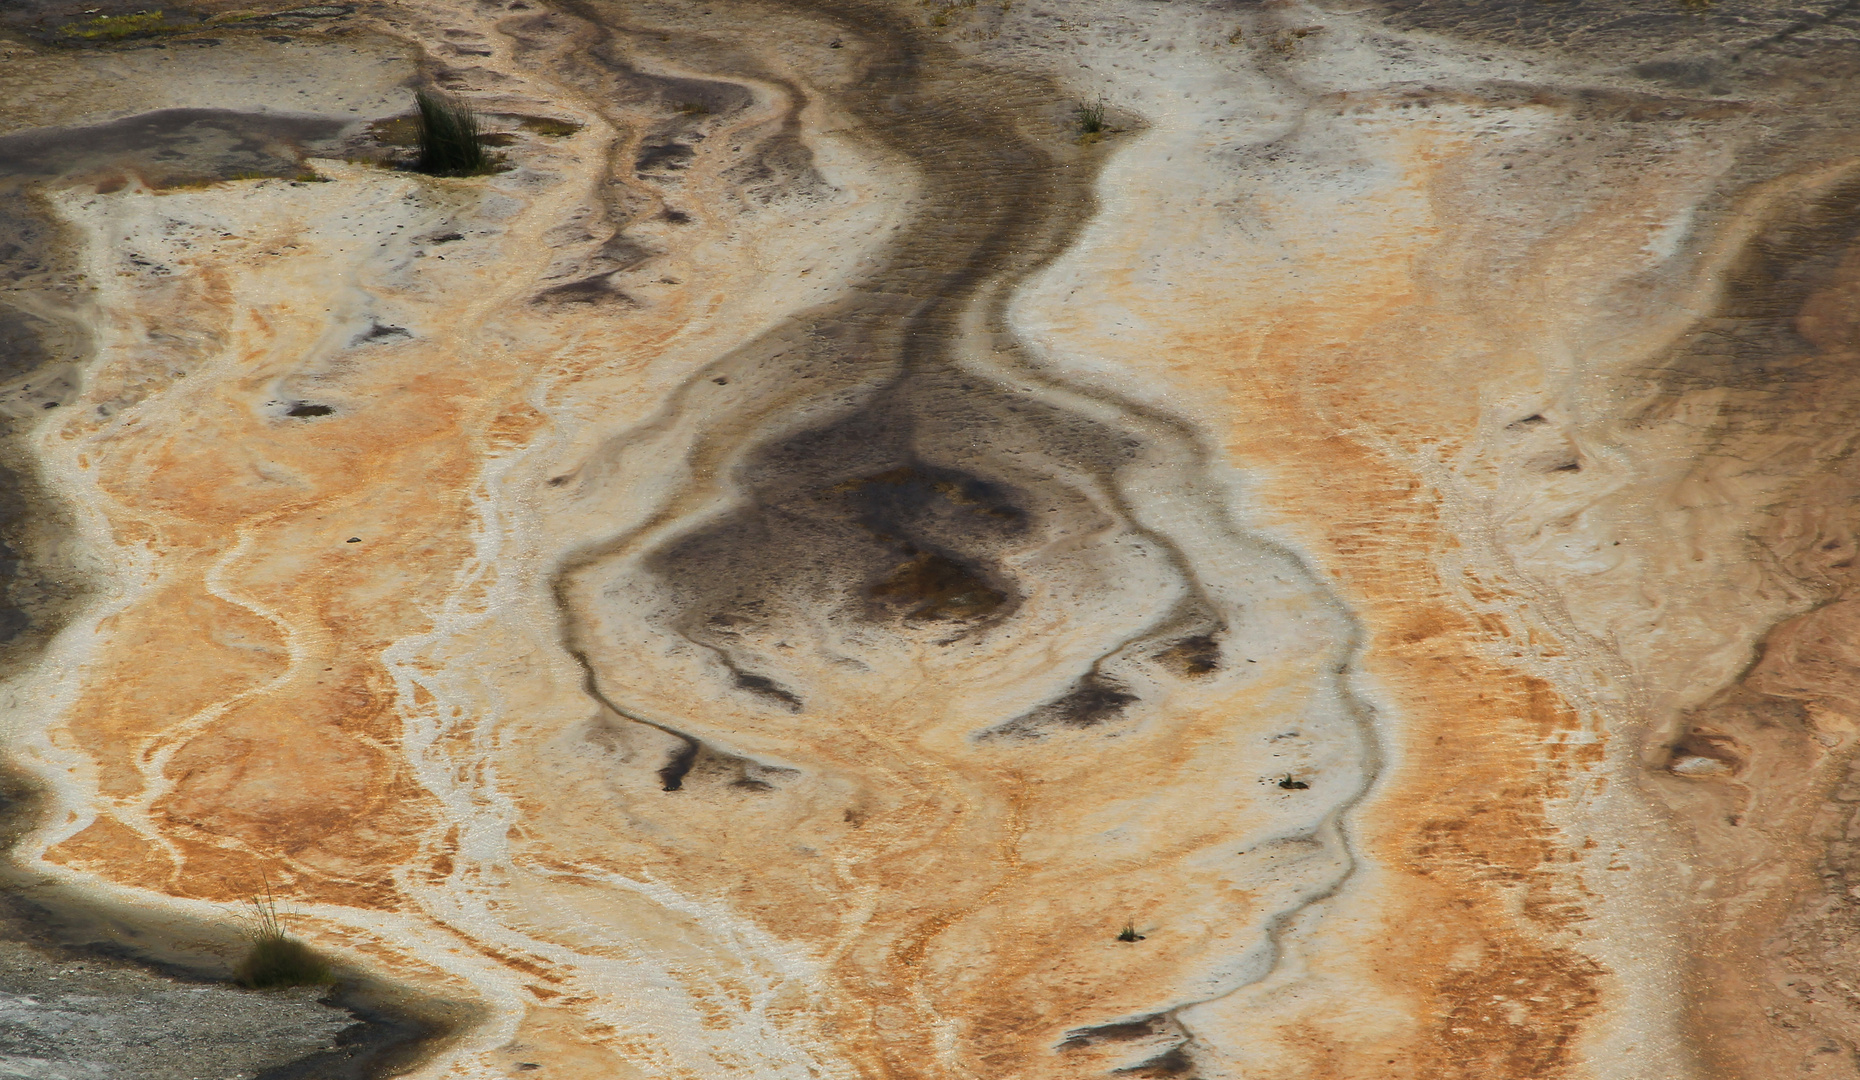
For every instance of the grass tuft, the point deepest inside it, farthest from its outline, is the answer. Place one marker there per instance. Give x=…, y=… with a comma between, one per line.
x=276, y=959
x=450, y=143
x=1129, y=933
x=1091, y=118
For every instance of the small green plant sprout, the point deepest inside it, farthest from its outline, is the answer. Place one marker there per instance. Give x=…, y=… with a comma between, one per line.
x=450, y=143
x=1091, y=119
x=1129, y=933
x=275, y=959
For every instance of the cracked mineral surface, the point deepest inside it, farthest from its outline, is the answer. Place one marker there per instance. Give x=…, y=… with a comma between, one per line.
x=927, y=540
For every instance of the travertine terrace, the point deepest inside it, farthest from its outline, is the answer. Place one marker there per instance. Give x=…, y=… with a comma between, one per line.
x=984, y=541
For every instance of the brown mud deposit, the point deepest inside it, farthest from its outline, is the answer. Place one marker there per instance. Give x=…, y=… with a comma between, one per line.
x=820, y=566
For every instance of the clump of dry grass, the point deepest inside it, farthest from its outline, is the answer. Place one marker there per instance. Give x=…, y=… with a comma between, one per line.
x=450, y=142
x=275, y=959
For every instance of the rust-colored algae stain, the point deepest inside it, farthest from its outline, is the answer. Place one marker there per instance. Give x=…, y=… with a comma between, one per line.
x=244, y=779
x=220, y=649
x=111, y=848
x=270, y=729
x=1477, y=931
x=1466, y=827
x=296, y=766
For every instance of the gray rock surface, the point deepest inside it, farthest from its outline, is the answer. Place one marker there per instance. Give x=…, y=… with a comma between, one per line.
x=90, y=1019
